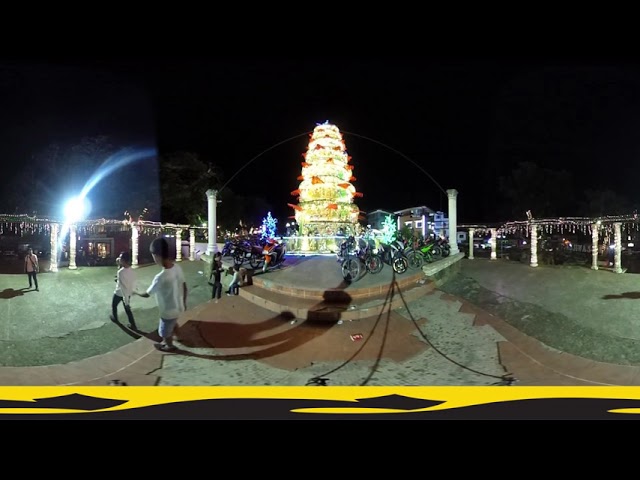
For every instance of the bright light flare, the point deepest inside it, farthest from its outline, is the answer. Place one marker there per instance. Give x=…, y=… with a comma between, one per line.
x=77, y=209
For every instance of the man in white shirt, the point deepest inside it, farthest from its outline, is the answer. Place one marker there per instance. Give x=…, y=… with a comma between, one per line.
x=31, y=268
x=170, y=289
x=125, y=285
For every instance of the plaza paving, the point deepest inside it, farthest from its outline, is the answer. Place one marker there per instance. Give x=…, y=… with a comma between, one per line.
x=550, y=325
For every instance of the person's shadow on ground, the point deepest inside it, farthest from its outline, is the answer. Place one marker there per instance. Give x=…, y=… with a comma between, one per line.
x=264, y=339
x=131, y=332
x=630, y=295
x=11, y=293
x=242, y=337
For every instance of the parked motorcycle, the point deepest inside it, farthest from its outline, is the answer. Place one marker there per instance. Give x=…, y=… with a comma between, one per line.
x=393, y=254
x=228, y=248
x=246, y=251
x=274, y=253
x=421, y=252
x=444, y=246
x=357, y=257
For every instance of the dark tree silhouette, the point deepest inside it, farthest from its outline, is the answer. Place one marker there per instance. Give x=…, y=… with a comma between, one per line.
x=547, y=193
x=600, y=203
x=185, y=179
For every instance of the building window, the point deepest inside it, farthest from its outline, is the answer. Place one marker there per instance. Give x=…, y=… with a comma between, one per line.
x=418, y=224
x=408, y=224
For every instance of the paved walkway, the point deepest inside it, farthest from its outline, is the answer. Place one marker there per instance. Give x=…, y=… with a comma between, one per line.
x=441, y=336
x=592, y=314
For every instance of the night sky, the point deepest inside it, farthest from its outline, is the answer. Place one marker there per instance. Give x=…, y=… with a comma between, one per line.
x=412, y=125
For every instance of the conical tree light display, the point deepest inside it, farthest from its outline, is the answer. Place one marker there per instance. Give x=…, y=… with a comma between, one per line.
x=326, y=195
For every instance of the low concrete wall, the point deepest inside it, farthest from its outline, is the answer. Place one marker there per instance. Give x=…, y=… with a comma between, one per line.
x=440, y=271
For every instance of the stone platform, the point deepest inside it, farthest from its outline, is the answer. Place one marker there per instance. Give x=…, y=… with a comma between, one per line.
x=312, y=288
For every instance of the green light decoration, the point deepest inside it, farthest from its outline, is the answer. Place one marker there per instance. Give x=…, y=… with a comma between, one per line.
x=388, y=229
x=268, y=227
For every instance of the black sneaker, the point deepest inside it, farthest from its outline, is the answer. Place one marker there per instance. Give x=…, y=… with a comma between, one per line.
x=166, y=348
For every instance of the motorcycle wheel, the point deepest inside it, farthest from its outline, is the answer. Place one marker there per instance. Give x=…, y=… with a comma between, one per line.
x=373, y=263
x=238, y=260
x=400, y=265
x=351, y=269
x=254, y=261
x=415, y=260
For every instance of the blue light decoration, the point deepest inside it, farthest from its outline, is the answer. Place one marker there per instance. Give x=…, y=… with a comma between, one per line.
x=268, y=227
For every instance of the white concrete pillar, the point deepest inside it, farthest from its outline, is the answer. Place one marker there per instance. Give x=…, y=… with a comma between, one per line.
x=452, y=193
x=192, y=244
x=472, y=232
x=617, y=262
x=534, y=245
x=595, y=227
x=178, y=244
x=135, y=235
x=212, y=197
x=73, y=237
x=493, y=241
x=304, y=244
x=55, y=231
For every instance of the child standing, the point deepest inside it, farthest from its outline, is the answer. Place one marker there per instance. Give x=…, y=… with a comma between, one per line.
x=125, y=285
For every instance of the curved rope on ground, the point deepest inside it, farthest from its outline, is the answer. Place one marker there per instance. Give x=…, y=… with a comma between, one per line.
x=506, y=379
x=321, y=380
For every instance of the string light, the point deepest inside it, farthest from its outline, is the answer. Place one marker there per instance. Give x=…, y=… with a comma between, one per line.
x=551, y=225
x=23, y=223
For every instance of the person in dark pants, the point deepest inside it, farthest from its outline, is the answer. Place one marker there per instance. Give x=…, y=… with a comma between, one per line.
x=216, y=273
x=31, y=268
x=125, y=285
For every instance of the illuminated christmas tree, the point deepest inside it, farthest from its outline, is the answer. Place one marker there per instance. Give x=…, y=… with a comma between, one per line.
x=389, y=229
x=325, y=195
x=268, y=227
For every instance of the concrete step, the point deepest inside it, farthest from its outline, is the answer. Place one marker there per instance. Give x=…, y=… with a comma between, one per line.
x=356, y=291
x=337, y=305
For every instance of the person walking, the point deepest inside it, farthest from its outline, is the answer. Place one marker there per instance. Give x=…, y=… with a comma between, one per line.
x=125, y=285
x=31, y=268
x=170, y=290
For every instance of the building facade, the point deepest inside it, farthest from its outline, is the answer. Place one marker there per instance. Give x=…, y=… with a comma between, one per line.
x=376, y=218
x=423, y=219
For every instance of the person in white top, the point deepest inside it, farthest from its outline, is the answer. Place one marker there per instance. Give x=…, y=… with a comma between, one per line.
x=125, y=285
x=31, y=268
x=235, y=280
x=170, y=290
